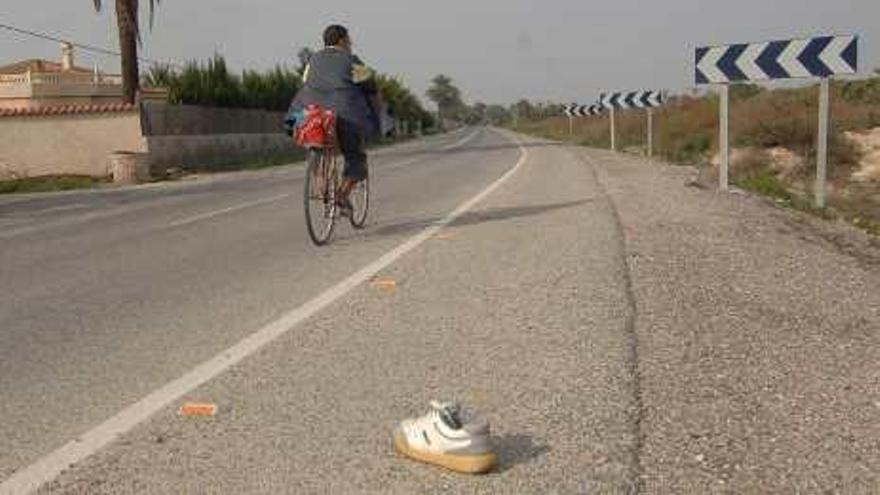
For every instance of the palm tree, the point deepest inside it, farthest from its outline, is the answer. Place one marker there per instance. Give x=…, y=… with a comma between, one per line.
x=129, y=37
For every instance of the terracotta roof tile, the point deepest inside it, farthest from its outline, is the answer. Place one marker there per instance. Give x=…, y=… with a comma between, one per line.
x=67, y=110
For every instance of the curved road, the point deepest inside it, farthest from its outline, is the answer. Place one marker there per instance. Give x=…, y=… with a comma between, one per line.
x=623, y=331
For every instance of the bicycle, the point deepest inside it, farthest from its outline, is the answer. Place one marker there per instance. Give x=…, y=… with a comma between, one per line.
x=324, y=178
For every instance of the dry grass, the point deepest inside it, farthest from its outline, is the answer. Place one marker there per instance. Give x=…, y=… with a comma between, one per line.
x=686, y=132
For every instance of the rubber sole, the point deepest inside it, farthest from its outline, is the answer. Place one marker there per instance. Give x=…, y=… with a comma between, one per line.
x=467, y=464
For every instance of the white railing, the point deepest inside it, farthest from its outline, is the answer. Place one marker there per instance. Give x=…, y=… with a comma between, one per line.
x=13, y=78
x=59, y=84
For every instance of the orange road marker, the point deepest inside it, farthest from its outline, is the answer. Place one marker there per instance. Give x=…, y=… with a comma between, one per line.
x=387, y=284
x=192, y=409
x=445, y=236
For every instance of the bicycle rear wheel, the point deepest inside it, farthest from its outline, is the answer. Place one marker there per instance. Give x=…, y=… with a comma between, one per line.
x=360, y=202
x=320, y=194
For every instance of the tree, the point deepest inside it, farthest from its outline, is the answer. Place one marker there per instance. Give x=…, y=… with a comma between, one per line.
x=523, y=109
x=498, y=115
x=403, y=104
x=447, y=97
x=129, y=38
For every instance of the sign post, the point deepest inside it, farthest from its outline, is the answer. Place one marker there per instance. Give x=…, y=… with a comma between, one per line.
x=633, y=99
x=613, y=133
x=820, y=57
x=724, y=139
x=575, y=110
x=822, y=145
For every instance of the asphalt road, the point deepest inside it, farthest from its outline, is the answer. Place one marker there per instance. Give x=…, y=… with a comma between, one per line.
x=571, y=295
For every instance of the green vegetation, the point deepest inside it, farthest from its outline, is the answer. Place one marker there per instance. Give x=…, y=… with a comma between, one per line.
x=403, y=103
x=686, y=132
x=212, y=84
x=48, y=184
x=447, y=96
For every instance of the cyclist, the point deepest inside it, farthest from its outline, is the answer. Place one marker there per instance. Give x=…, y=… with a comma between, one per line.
x=336, y=79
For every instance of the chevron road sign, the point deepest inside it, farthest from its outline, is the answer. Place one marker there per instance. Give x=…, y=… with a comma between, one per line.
x=581, y=110
x=820, y=57
x=575, y=110
x=823, y=56
x=632, y=99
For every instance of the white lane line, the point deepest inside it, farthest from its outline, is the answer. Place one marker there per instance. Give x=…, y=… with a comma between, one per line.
x=88, y=217
x=241, y=206
x=461, y=142
x=76, y=206
x=29, y=479
x=298, y=174
x=458, y=144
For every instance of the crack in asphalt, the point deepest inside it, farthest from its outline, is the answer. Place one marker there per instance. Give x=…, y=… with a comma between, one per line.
x=636, y=413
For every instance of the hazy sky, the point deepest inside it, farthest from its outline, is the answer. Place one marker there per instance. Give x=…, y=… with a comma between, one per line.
x=496, y=50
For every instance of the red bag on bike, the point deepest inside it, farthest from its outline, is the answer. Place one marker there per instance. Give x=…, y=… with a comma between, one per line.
x=318, y=129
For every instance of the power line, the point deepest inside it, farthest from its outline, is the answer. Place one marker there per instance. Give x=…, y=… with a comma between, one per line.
x=81, y=46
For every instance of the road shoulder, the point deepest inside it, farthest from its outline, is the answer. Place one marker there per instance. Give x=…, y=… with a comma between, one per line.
x=758, y=337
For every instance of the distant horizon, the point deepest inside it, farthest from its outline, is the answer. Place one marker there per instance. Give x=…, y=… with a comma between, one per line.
x=497, y=53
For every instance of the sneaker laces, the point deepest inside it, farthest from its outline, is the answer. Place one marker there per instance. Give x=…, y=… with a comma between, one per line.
x=450, y=413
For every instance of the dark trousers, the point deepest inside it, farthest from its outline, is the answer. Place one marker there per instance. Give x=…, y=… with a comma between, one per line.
x=353, y=146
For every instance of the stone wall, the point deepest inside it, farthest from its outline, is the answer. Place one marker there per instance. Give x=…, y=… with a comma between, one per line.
x=202, y=138
x=209, y=151
x=161, y=119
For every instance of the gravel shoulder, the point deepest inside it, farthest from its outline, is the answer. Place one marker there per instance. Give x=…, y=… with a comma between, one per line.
x=758, y=338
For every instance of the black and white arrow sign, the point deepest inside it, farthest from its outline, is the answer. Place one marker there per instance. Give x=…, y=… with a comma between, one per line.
x=823, y=56
x=632, y=99
x=581, y=110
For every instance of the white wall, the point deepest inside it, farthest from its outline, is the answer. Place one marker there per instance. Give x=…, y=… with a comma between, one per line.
x=77, y=144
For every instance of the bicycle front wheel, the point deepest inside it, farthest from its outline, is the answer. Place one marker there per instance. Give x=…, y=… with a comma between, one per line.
x=320, y=195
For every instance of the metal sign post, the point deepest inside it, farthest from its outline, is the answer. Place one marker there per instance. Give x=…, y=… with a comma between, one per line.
x=723, y=139
x=820, y=57
x=632, y=99
x=613, y=134
x=575, y=110
x=822, y=145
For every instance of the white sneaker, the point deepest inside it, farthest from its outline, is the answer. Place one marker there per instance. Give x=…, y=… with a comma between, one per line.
x=446, y=438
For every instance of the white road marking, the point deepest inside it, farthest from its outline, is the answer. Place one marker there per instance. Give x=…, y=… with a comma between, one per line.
x=31, y=478
x=241, y=206
x=75, y=206
x=461, y=142
x=100, y=215
x=88, y=217
x=450, y=147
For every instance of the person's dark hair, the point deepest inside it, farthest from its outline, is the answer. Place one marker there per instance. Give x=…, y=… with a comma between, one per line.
x=334, y=34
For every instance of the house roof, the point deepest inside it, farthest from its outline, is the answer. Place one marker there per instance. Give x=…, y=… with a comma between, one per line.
x=37, y=65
